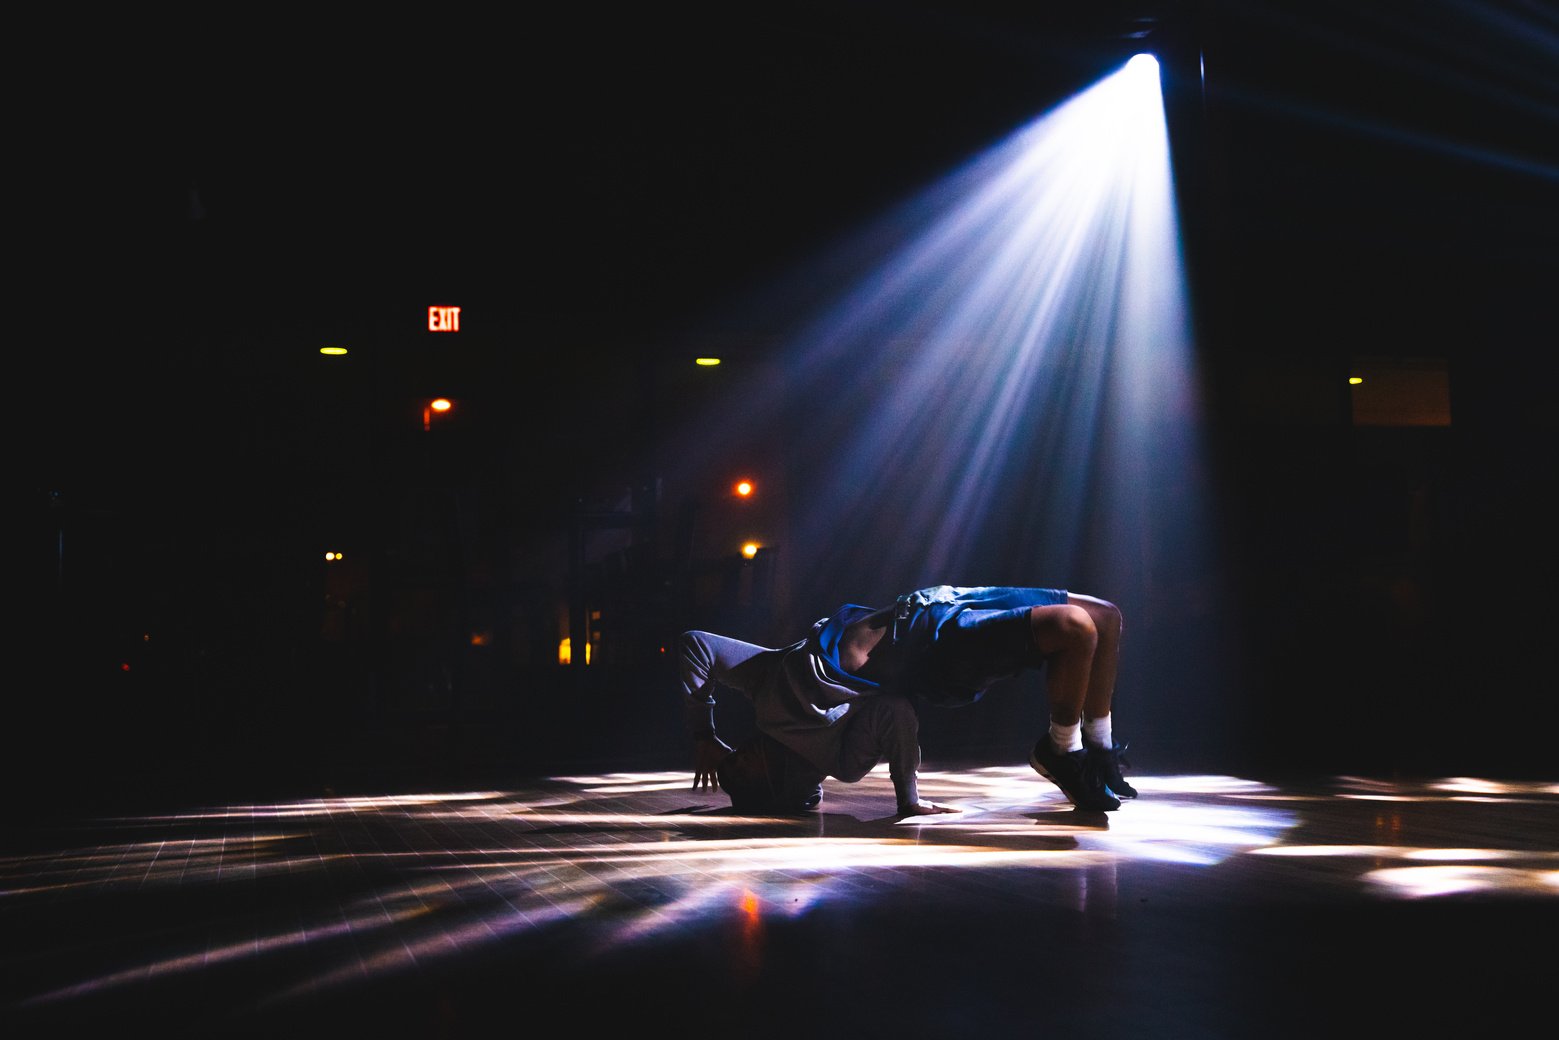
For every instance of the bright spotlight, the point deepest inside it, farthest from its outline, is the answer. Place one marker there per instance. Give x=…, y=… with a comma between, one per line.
x=1042, y=367
x=1007, y=375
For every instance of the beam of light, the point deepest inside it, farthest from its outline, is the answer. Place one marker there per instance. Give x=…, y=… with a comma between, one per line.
x=1002, y=387
x=1477, y=57
x=1427, y=882
x=1461, y=789
x=1379, y=130
x=565, y=852
x=210, y=957
x=324, y=807
x=1378, y=852
x=435, y=943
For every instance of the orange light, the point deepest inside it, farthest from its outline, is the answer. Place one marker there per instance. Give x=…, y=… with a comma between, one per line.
x=751, y=549
x=438, y=404
x=744, y=488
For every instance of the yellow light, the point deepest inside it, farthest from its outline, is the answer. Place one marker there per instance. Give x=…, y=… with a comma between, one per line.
x=744, y=488
x=440, y=404
x=1355, y=380
x=566, y=651
x=707, y=362
x=333, y=351
x=751, y=549
x=331, y=556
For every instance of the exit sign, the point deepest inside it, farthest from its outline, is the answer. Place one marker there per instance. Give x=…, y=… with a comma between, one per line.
x=443, y=319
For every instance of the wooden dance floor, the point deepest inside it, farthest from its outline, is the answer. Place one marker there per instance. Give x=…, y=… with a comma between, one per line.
x=592, y=905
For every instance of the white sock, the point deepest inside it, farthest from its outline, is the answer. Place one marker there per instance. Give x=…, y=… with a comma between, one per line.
x=1066, y=738
x=1097, y=732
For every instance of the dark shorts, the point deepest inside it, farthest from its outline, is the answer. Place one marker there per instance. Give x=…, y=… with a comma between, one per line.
x=973, y=649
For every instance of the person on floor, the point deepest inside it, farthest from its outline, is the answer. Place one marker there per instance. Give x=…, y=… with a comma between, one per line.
x=944, y=645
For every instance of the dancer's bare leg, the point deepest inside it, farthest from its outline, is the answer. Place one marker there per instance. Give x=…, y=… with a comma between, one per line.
x=1098, y=727
x=1106, y=619
x=1080, y=674
x=1069, y=639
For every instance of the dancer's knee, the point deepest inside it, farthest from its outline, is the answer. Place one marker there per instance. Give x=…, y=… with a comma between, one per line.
x=694, y=654
x=1106, y=615
x=1064, y=627
x=1107, y=619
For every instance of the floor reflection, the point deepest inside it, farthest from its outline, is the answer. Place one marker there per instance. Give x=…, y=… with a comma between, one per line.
x=324, y=892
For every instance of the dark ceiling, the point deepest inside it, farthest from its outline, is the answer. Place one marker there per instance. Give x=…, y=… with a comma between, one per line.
x=614, y=176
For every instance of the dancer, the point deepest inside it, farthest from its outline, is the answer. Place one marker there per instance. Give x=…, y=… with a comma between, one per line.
x=945, y=645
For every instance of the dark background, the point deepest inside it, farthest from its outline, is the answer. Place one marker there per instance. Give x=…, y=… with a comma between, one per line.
x=609, y=193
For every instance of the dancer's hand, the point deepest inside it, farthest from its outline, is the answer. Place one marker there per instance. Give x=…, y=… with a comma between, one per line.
x=708, y=752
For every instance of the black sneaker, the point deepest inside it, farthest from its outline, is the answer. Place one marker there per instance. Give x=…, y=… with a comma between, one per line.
x=1076, y=773
x=1108, y=762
